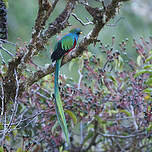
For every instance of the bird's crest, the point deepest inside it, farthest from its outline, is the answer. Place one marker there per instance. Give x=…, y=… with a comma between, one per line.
x=76, y=31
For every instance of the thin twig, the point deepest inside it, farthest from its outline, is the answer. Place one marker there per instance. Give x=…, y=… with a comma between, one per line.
x=134, y=118
x=2, y=99
x=20, y=121
x=43, y=96
x=81, y=133
x=78, y=19
x=116, y=22
x=3, y=61
x=7, y=42
x=4, y=130
x=121, y=136
x=38, y=39
x=82, y=45
x=80, y=78
x=8, y=52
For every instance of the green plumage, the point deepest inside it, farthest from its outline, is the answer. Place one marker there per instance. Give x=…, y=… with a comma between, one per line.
x=67, y=42
x=65, y=45
x=58, y=104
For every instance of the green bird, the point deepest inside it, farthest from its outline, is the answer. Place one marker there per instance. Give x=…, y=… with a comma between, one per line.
x=62, y=48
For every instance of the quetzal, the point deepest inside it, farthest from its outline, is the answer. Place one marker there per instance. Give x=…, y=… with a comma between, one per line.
x=63, y=47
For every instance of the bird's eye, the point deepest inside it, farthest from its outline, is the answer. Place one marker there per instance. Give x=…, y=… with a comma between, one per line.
x=79, y=32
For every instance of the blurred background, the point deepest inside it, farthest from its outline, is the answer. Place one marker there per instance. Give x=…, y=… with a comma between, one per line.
x=134, y=20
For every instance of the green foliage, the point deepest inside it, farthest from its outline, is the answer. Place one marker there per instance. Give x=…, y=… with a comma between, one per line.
x=72, y=115
x=112, y=100
x=1, y=149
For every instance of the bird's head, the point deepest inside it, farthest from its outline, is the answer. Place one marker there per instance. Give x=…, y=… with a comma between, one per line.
x=76, y=31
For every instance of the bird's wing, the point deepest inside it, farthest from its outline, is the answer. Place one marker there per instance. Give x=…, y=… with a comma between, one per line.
x=67, y=42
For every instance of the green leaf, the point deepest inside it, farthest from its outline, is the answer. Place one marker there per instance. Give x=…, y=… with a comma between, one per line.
x=126, y=112
x=90, y=134
x=112, y=112
x=147, y=66
x=6, y=3
x=149, y=58
x=113, y=79
x=119, y=63
x=7, y=138
x=100, y=121
x=149, y=82
x=149, y=127
x=14, y=131
x=72, y=115
x=142, y=72
x=54, y=127
x=1, y=149
x=93, y=84
x=19, y=149
x=148, y=90
x=1, y=126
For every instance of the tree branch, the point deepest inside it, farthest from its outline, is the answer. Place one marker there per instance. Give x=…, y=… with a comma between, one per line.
x=123, y=137
x=98, y=15
x=45, y=10
x=37, y=42
x=78, y=19
x=38, y=39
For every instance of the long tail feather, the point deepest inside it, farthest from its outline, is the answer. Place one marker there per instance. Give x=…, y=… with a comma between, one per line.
x=58, y=104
